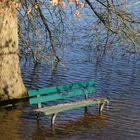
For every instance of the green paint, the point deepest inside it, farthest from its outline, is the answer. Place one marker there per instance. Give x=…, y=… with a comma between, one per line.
x=54, y=89
x=57, y=96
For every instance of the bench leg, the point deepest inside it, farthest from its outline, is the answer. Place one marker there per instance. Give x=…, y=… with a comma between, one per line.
x=86, y=97
x=101, y=107
x=37, y=116
x=53, y=119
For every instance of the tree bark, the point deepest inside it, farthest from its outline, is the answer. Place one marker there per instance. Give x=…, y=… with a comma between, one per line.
x=11, y=83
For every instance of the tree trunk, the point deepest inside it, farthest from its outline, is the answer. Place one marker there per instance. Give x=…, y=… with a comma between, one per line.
x=11, y=83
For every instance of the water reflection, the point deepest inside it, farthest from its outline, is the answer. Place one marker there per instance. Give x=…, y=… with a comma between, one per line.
x=71, y=127
x=10, y=123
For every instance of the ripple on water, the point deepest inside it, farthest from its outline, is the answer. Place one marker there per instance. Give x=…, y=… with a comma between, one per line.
x=117, y=80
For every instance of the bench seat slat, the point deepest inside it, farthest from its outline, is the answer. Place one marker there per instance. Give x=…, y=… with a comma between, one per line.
x=68, y=106
x=53, y=97
x=54, y=89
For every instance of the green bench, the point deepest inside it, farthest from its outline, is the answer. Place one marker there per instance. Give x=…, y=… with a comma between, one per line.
x=55, y=93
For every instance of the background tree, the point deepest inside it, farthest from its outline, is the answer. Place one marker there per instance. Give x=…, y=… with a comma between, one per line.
x=11, y=84
x=49, y=26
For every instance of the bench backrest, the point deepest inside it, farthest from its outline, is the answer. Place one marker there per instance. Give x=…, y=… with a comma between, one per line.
x=61, y=92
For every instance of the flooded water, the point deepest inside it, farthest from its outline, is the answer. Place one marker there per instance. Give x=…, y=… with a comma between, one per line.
x=117, y=78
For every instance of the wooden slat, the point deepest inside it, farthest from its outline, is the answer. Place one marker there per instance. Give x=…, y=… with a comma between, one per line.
x=68, y=106
x=53, y=97
x=60, y=88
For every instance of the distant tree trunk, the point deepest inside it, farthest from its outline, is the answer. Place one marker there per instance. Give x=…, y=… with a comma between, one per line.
x=11, y=83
